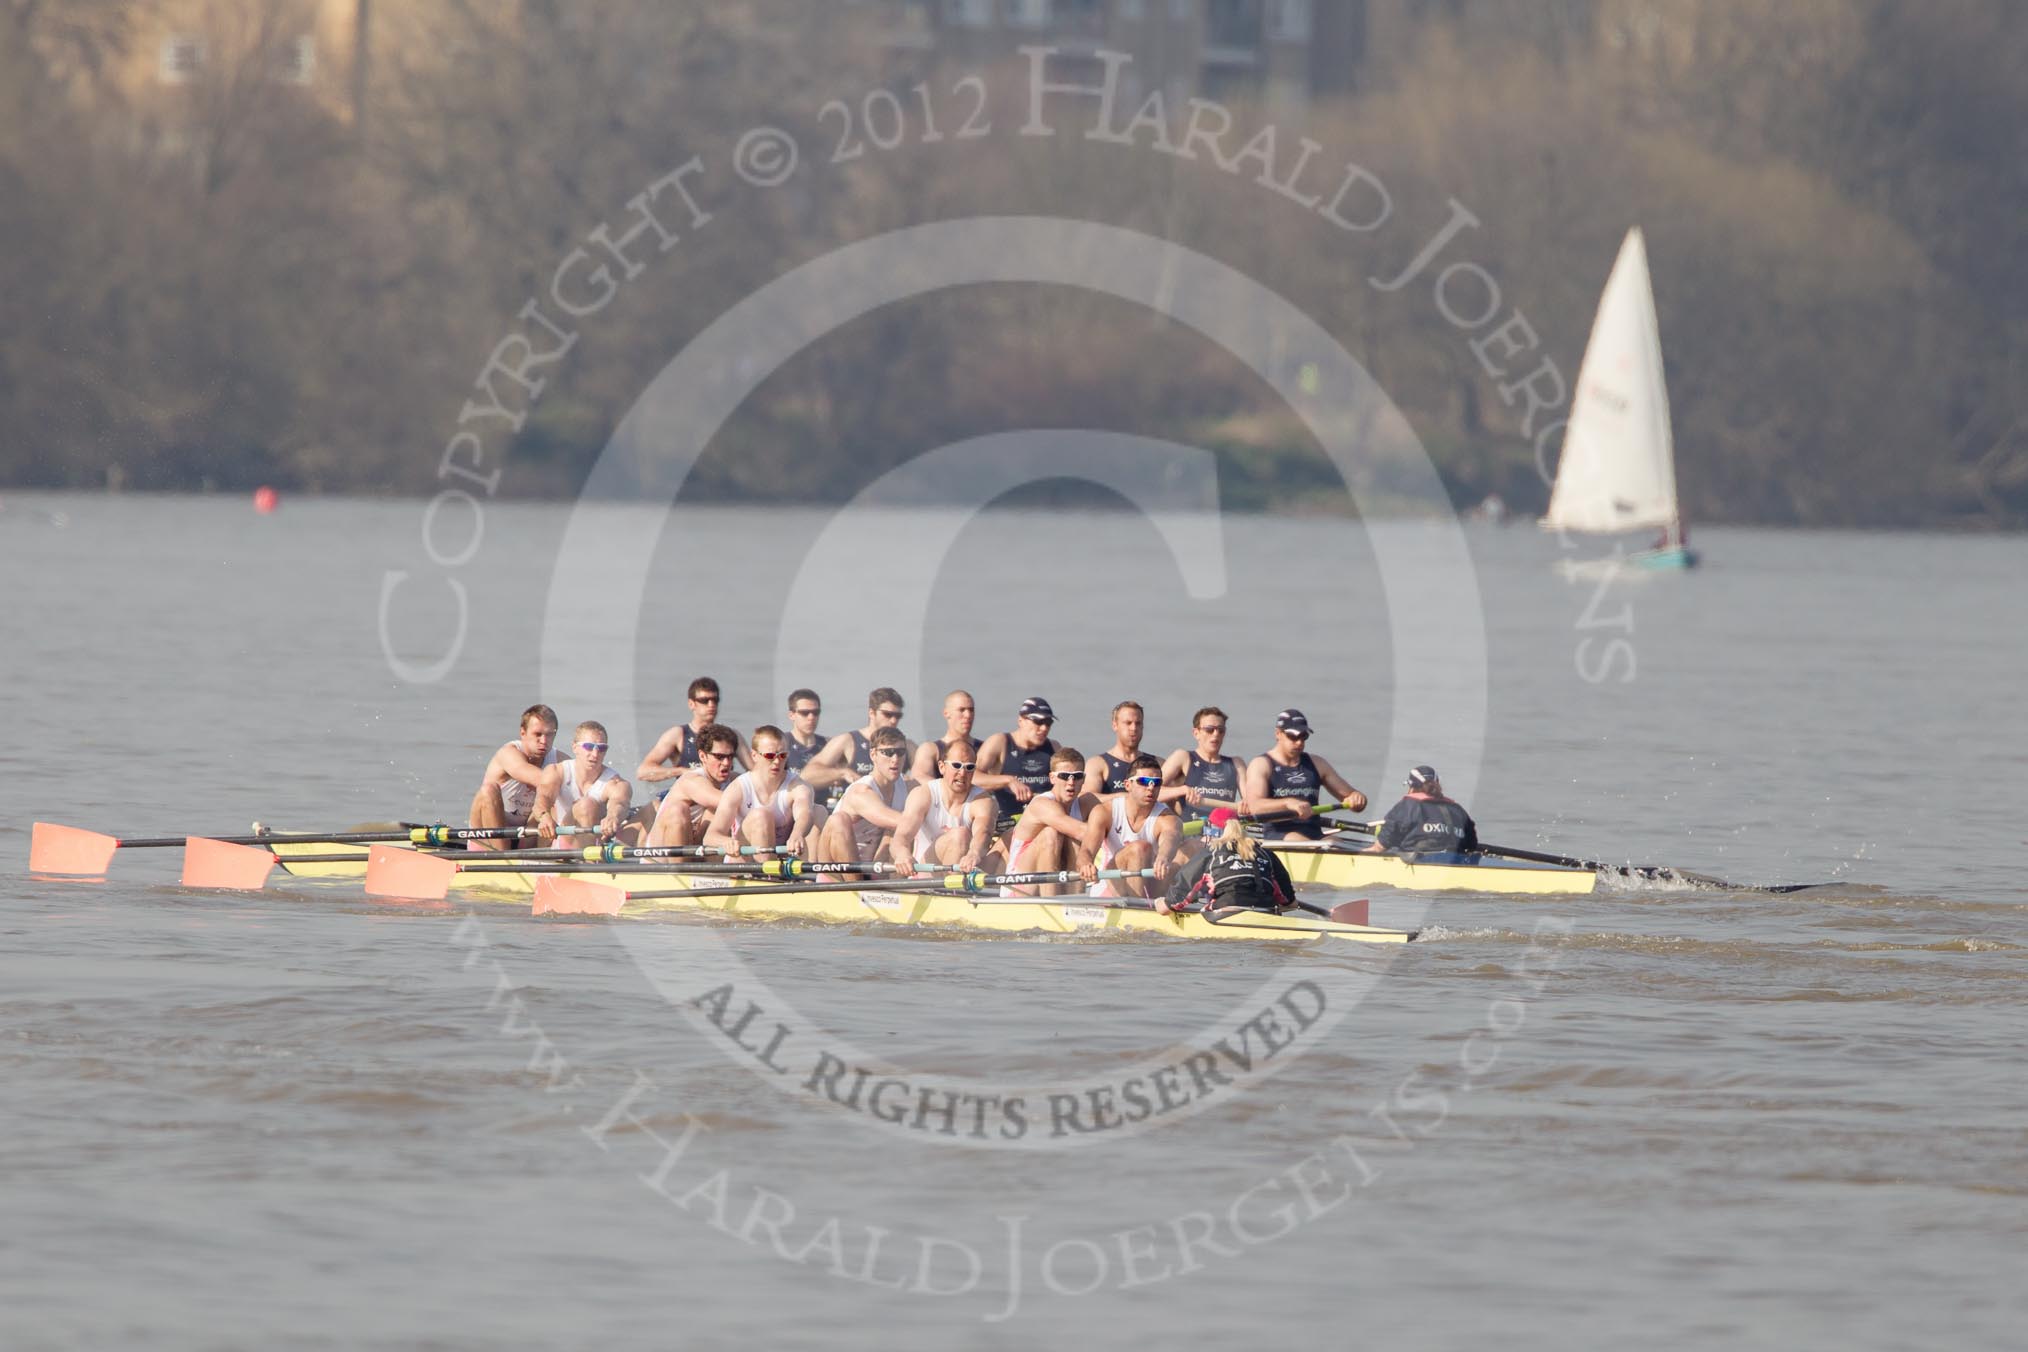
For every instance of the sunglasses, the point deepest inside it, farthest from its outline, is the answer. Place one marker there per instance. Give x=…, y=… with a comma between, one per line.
x=1145, y=780
x=592, y=746
x=1041, y=722
x=720, y=755
x=1296, y=736
x=961, y=766
x=1212, y=727
x=772, y=755
x=806, y=713
x=1068, y=776
x=896, y=751
x=888, y=713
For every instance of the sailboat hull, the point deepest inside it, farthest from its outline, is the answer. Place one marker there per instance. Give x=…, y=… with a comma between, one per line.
x=1668, y=559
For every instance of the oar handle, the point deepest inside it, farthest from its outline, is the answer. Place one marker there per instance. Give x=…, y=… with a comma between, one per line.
x=977, y=881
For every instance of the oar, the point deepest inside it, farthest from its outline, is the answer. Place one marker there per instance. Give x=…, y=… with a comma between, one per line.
x=1661, y=871
x=392, y=871
x=70, y=851
x=581, y=896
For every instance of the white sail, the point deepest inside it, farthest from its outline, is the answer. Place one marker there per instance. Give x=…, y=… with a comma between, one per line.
x=1618, y=470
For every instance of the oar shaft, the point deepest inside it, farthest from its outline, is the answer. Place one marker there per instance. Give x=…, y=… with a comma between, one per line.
x=950, y=882
x=420, y=835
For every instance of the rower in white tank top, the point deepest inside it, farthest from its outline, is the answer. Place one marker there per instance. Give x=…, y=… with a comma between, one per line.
x=777, y=803
x=941, y=817
x=864, y=832
x=1017, y=847
x=519, y=799
x=1119, y=835
x=568, y=792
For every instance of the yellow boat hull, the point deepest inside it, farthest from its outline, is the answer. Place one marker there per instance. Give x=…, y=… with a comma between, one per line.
x=1347, y=869
x=771, y=901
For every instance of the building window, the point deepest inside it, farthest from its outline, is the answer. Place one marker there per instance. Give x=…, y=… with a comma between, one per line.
x=182, y=58
x=1232, y=23
x=1289, y=20
x=1028, y=13
x=299, y=60
x=969, y=13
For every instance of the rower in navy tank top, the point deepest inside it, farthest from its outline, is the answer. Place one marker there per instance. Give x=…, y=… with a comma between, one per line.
x=804, y=739
x=1107, y=771
x=1197, y=781
x=849, y=755
x=676, y=752
x=1217, y=783
x=959, y=711
x=1282, y=783
x=1015, y=765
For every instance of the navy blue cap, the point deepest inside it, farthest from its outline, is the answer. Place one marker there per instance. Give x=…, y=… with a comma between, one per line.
x=1292, y=720
x=1037, y=707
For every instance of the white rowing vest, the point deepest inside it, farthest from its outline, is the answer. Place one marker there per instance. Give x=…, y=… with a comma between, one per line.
x=569, y=792
x=1016, y=847
x=865, y=832
x=941, y=818
x=1118, y=836
x=777, y=803
x=519, y=798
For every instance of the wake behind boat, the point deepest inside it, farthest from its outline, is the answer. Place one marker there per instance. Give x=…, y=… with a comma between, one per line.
x=1617, y=472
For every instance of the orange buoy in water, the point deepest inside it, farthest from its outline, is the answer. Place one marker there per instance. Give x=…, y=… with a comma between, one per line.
x=266, y=499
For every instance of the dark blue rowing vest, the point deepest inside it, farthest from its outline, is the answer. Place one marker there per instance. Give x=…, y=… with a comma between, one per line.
x=1030, y=767
x=1298, y=782
x=1219, y=781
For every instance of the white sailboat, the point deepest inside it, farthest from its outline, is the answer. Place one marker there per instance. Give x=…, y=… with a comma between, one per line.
x=1618, y=468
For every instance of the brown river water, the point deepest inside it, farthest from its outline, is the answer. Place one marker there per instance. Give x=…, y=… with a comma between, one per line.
x=1657, y=1116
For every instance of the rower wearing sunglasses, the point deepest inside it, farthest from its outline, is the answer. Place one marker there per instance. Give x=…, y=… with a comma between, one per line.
x=1014, y=766
x=866, y=818
x=1198, y=782
x=804, y=739
x=948, y=822
x=767, y=807
x=959, y=711
x=585, y=791
x=1132, y=830
x=849, y=755
x=1049, y=838
x=1107, y=771
x=1282, y=783
x=680, y=749
x=686, y=810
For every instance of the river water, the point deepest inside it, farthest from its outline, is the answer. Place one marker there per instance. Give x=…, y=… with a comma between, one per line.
x=1656, y=1116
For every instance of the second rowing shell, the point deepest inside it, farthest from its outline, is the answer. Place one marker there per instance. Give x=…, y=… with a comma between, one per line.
x=1320, y=868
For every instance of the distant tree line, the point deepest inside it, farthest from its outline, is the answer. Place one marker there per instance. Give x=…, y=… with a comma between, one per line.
x=263, y=290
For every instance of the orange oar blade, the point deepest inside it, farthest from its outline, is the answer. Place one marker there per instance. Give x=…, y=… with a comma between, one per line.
x=1351, y=913
x=576, y=896
x=214, y=863
x=66, y=849
x=393, y=871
